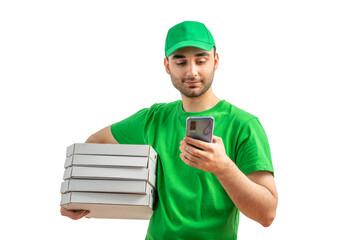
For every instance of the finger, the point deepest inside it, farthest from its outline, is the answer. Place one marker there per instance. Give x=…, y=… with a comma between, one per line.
x=84, y=213
x=68, y=213
x=197, y=143
x=216, y=139
x=193, y=150
x=74, y=214
x=81, y=214
x=189, y=157
x=187, y=161
x=190, y=150
x=192, y=153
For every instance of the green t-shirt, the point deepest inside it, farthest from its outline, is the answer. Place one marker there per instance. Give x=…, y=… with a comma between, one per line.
x=191, y=203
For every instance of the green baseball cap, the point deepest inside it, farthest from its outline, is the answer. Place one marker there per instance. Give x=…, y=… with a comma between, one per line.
x=188, y=34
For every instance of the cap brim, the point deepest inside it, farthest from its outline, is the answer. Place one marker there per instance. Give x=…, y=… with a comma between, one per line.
x=197, y=44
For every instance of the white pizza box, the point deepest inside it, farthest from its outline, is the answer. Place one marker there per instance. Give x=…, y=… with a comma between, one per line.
x=113, y=211
x=106, y=161
x=119, y=173
x=112, y=149
x=110, y=205
x=114, y=186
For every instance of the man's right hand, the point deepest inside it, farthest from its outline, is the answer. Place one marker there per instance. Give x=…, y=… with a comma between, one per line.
x=75, y=215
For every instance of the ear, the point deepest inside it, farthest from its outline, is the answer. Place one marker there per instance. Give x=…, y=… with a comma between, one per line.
x=216, y=61
x=166, y=64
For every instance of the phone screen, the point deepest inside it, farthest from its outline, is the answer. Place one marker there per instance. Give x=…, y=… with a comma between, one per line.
x=200, y=128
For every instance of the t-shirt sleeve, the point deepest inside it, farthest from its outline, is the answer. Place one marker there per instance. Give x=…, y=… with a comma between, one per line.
x=253, y=151
x=131, y=129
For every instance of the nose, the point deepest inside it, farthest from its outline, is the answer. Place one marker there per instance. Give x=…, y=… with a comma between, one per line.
x=192, y=71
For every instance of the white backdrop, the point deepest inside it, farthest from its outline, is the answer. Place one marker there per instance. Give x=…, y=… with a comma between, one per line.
x=70, y=68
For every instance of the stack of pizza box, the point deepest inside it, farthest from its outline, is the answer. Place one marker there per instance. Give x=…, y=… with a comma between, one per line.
x=110, y=180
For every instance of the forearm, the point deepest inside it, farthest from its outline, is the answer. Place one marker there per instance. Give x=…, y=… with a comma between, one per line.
x=254, y=195
x=252, y=199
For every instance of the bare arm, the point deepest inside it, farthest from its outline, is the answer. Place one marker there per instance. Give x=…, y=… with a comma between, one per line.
x=254, y=195
x=102, y=136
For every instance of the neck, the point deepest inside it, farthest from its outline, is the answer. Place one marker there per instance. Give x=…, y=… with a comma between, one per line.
x=201, y=103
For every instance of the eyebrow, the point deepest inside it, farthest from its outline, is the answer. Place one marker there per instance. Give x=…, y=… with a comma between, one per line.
x=176, y=56
x=202, y=54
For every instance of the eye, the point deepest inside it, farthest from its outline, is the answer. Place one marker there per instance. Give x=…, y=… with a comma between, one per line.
x=201, y=61
x=180, y=63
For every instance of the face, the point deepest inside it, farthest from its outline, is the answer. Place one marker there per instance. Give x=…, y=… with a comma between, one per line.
x=192, y=70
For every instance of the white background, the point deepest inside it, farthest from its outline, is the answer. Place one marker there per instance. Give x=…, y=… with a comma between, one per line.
x=70, y=68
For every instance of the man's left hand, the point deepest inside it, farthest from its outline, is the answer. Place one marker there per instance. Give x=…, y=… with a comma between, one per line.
x=211, y=157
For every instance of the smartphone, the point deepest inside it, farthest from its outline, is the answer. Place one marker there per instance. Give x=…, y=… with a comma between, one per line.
x=201, y=128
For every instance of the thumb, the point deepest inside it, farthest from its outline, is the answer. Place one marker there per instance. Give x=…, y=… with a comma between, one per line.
x=216, y=139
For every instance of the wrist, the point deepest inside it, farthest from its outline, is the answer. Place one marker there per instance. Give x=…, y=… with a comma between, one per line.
x=224, y=170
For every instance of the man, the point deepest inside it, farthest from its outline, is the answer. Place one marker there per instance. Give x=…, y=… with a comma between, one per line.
x=200, y=190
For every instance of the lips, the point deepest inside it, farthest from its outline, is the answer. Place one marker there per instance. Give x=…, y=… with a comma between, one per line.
x=192, y=83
